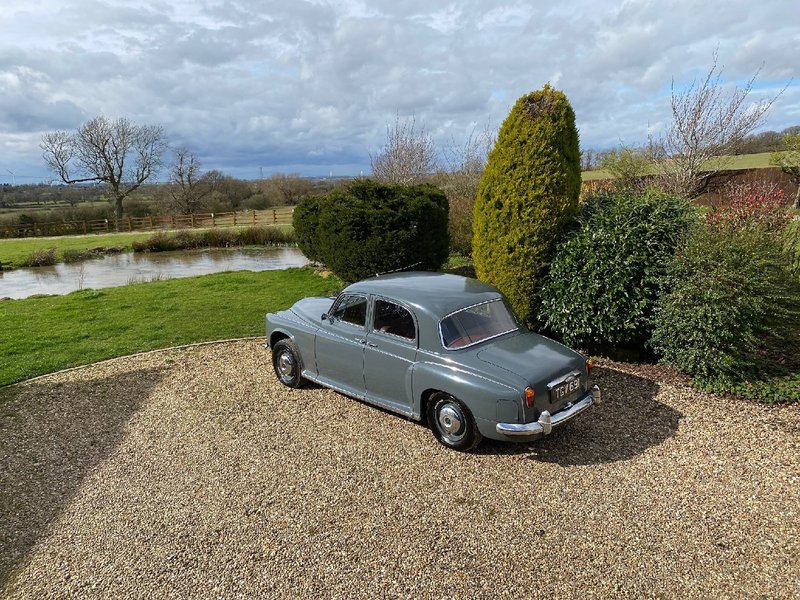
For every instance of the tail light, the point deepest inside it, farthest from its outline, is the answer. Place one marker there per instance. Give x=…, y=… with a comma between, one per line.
x=589, y=367
x=529, y=396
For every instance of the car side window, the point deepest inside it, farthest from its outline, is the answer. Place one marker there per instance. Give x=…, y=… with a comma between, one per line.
x=394, y=319
x=351, y=309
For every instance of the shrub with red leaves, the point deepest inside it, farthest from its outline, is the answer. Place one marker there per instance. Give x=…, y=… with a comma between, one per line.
x=746, y=206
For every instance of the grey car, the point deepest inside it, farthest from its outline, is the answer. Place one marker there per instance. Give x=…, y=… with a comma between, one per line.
x=434, y=346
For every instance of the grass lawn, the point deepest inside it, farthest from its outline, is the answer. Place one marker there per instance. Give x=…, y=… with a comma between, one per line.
x=14, y=252
x=44, y=334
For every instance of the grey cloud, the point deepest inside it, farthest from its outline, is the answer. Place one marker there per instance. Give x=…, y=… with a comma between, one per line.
x=249, y=83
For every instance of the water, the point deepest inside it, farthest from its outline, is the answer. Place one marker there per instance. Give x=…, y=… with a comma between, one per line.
x=122, y=269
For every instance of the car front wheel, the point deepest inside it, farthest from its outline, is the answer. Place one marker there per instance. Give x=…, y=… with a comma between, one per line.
x=452, y=423
x=286, y=361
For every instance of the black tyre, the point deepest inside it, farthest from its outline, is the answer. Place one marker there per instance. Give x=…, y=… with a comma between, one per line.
x=287, y=364
x=452, y=423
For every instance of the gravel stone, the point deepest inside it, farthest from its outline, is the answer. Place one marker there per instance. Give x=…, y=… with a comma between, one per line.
x=192, y=473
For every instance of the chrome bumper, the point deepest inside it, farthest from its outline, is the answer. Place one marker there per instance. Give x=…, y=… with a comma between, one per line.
x=547, y=421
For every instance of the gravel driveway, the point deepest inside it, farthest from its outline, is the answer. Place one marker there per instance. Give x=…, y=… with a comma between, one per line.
x=193, y=473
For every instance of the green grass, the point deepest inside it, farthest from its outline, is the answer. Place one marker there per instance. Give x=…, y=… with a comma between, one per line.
x=14, y=252
x=727, y=163
x=44, y=334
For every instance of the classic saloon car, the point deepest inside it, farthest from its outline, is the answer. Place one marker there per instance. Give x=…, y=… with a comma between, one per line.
x=438, y=347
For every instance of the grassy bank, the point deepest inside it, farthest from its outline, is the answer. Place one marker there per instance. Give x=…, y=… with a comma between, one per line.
x=17, y=252
x=45, y=334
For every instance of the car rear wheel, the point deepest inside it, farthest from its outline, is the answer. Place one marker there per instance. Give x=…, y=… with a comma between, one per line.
x=452, y=423
x=286, y=361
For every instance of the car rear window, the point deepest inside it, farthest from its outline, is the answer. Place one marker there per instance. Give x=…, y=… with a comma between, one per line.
x=476, y=323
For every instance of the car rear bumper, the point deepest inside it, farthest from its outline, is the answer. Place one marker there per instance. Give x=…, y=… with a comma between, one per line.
x=547, y=421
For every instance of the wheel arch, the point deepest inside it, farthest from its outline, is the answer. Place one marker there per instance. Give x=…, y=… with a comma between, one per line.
x=278, y=335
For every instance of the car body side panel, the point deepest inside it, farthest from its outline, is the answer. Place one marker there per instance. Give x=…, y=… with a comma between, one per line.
x=388, y=371
x=302, y=333
x=339, y=351
x=480, y=394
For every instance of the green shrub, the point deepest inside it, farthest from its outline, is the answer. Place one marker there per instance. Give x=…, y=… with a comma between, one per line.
x=528, y=193
x=305, y=220
x=791, y=246
x=605, y=275
x=728, y=297
x=370, y=227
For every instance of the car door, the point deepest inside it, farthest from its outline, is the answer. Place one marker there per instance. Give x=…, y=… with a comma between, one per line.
x=390, y=355
x=339, y=345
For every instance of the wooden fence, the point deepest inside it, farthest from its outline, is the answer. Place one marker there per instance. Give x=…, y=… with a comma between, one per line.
x=272, y=216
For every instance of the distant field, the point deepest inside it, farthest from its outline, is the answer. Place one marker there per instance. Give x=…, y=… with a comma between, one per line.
x=728, y=163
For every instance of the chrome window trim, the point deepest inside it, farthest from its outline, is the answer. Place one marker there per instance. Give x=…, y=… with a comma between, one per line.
x=338, y=301
x=447, y=316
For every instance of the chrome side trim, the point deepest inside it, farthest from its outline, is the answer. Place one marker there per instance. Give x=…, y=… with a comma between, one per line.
x=546, y=421
x=311, y=376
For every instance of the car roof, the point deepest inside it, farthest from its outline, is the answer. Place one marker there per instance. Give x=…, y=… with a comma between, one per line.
x=438, y=294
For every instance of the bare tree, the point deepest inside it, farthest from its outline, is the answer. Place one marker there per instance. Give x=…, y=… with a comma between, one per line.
x=286, y=189
x=789, y=161
x=188, y=188
x=464, y=165
x=708, y=125
x=409, y=155
x=118, y=153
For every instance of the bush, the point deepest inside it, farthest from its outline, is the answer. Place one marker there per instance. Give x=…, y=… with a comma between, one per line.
x=305, y=220
x=528, y=193
x=215, y=238
x=460, y=224
x=728, y=297
x=605, y=276
x=369, y=227
x=791, y=246
x=44, y=257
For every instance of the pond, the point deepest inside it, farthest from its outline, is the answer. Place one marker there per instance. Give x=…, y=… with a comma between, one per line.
x=122, y=269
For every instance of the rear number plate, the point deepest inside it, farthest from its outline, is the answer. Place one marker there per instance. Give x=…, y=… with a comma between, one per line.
x=565, y=389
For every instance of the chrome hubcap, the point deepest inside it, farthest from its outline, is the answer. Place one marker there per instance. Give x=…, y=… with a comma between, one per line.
x=286, y=365
x=450, y=419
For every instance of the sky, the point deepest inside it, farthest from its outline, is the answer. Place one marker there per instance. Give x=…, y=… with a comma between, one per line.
x=310, y=86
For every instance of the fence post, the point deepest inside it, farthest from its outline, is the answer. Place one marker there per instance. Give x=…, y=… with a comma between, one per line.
x=130, y=224
x=234, y=219
x=254, y=217
x=274, y=216
x=213, y=220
